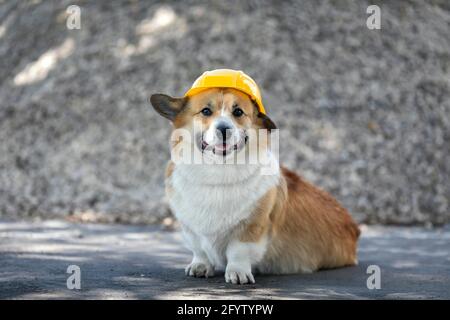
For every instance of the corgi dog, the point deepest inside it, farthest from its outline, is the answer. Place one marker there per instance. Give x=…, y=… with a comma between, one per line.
x=236, y=219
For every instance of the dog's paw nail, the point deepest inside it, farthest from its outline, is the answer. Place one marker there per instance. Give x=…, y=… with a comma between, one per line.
x=199, y=270
x=239, y=277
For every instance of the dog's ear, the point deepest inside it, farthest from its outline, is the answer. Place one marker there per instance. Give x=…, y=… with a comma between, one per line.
x=167, y=106
x=266, y=122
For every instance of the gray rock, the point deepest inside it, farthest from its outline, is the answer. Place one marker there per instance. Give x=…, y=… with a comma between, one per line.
x=363, y=113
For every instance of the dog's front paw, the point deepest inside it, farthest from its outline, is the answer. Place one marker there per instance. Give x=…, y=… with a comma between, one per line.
x=199, y=270
x=238, y=275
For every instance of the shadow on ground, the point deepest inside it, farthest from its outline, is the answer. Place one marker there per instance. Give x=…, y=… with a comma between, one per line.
x=135, y=262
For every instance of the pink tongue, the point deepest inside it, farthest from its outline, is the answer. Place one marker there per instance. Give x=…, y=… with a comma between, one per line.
x=221, y=147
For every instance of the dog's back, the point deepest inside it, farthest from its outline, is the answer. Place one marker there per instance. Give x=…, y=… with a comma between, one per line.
x=310, y=230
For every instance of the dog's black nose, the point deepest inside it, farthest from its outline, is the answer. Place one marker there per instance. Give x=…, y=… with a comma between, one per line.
x=223, y=131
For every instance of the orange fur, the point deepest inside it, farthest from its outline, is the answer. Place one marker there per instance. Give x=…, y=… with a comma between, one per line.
x=307, y=227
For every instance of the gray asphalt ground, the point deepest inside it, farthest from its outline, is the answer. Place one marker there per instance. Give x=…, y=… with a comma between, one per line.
x=145, y=262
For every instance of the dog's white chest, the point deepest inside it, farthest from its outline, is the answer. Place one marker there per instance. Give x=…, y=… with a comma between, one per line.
x=212, y=199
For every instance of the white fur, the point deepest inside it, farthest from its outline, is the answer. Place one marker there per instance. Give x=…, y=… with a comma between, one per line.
x=241, y=257
x=210, y=201
x=235, y=134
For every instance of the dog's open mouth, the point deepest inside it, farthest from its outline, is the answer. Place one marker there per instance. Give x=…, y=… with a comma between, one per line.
x=223, y=148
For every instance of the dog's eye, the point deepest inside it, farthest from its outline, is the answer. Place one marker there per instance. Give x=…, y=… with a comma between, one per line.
x=238, y=112
x=206, y=112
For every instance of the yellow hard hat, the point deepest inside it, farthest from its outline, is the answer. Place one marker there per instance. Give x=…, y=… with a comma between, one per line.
x=227, y=78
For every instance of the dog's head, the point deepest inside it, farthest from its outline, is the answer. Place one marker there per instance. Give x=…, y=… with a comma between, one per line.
x=219, y=119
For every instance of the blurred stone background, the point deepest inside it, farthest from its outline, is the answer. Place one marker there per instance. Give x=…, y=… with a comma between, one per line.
x=363, y=113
